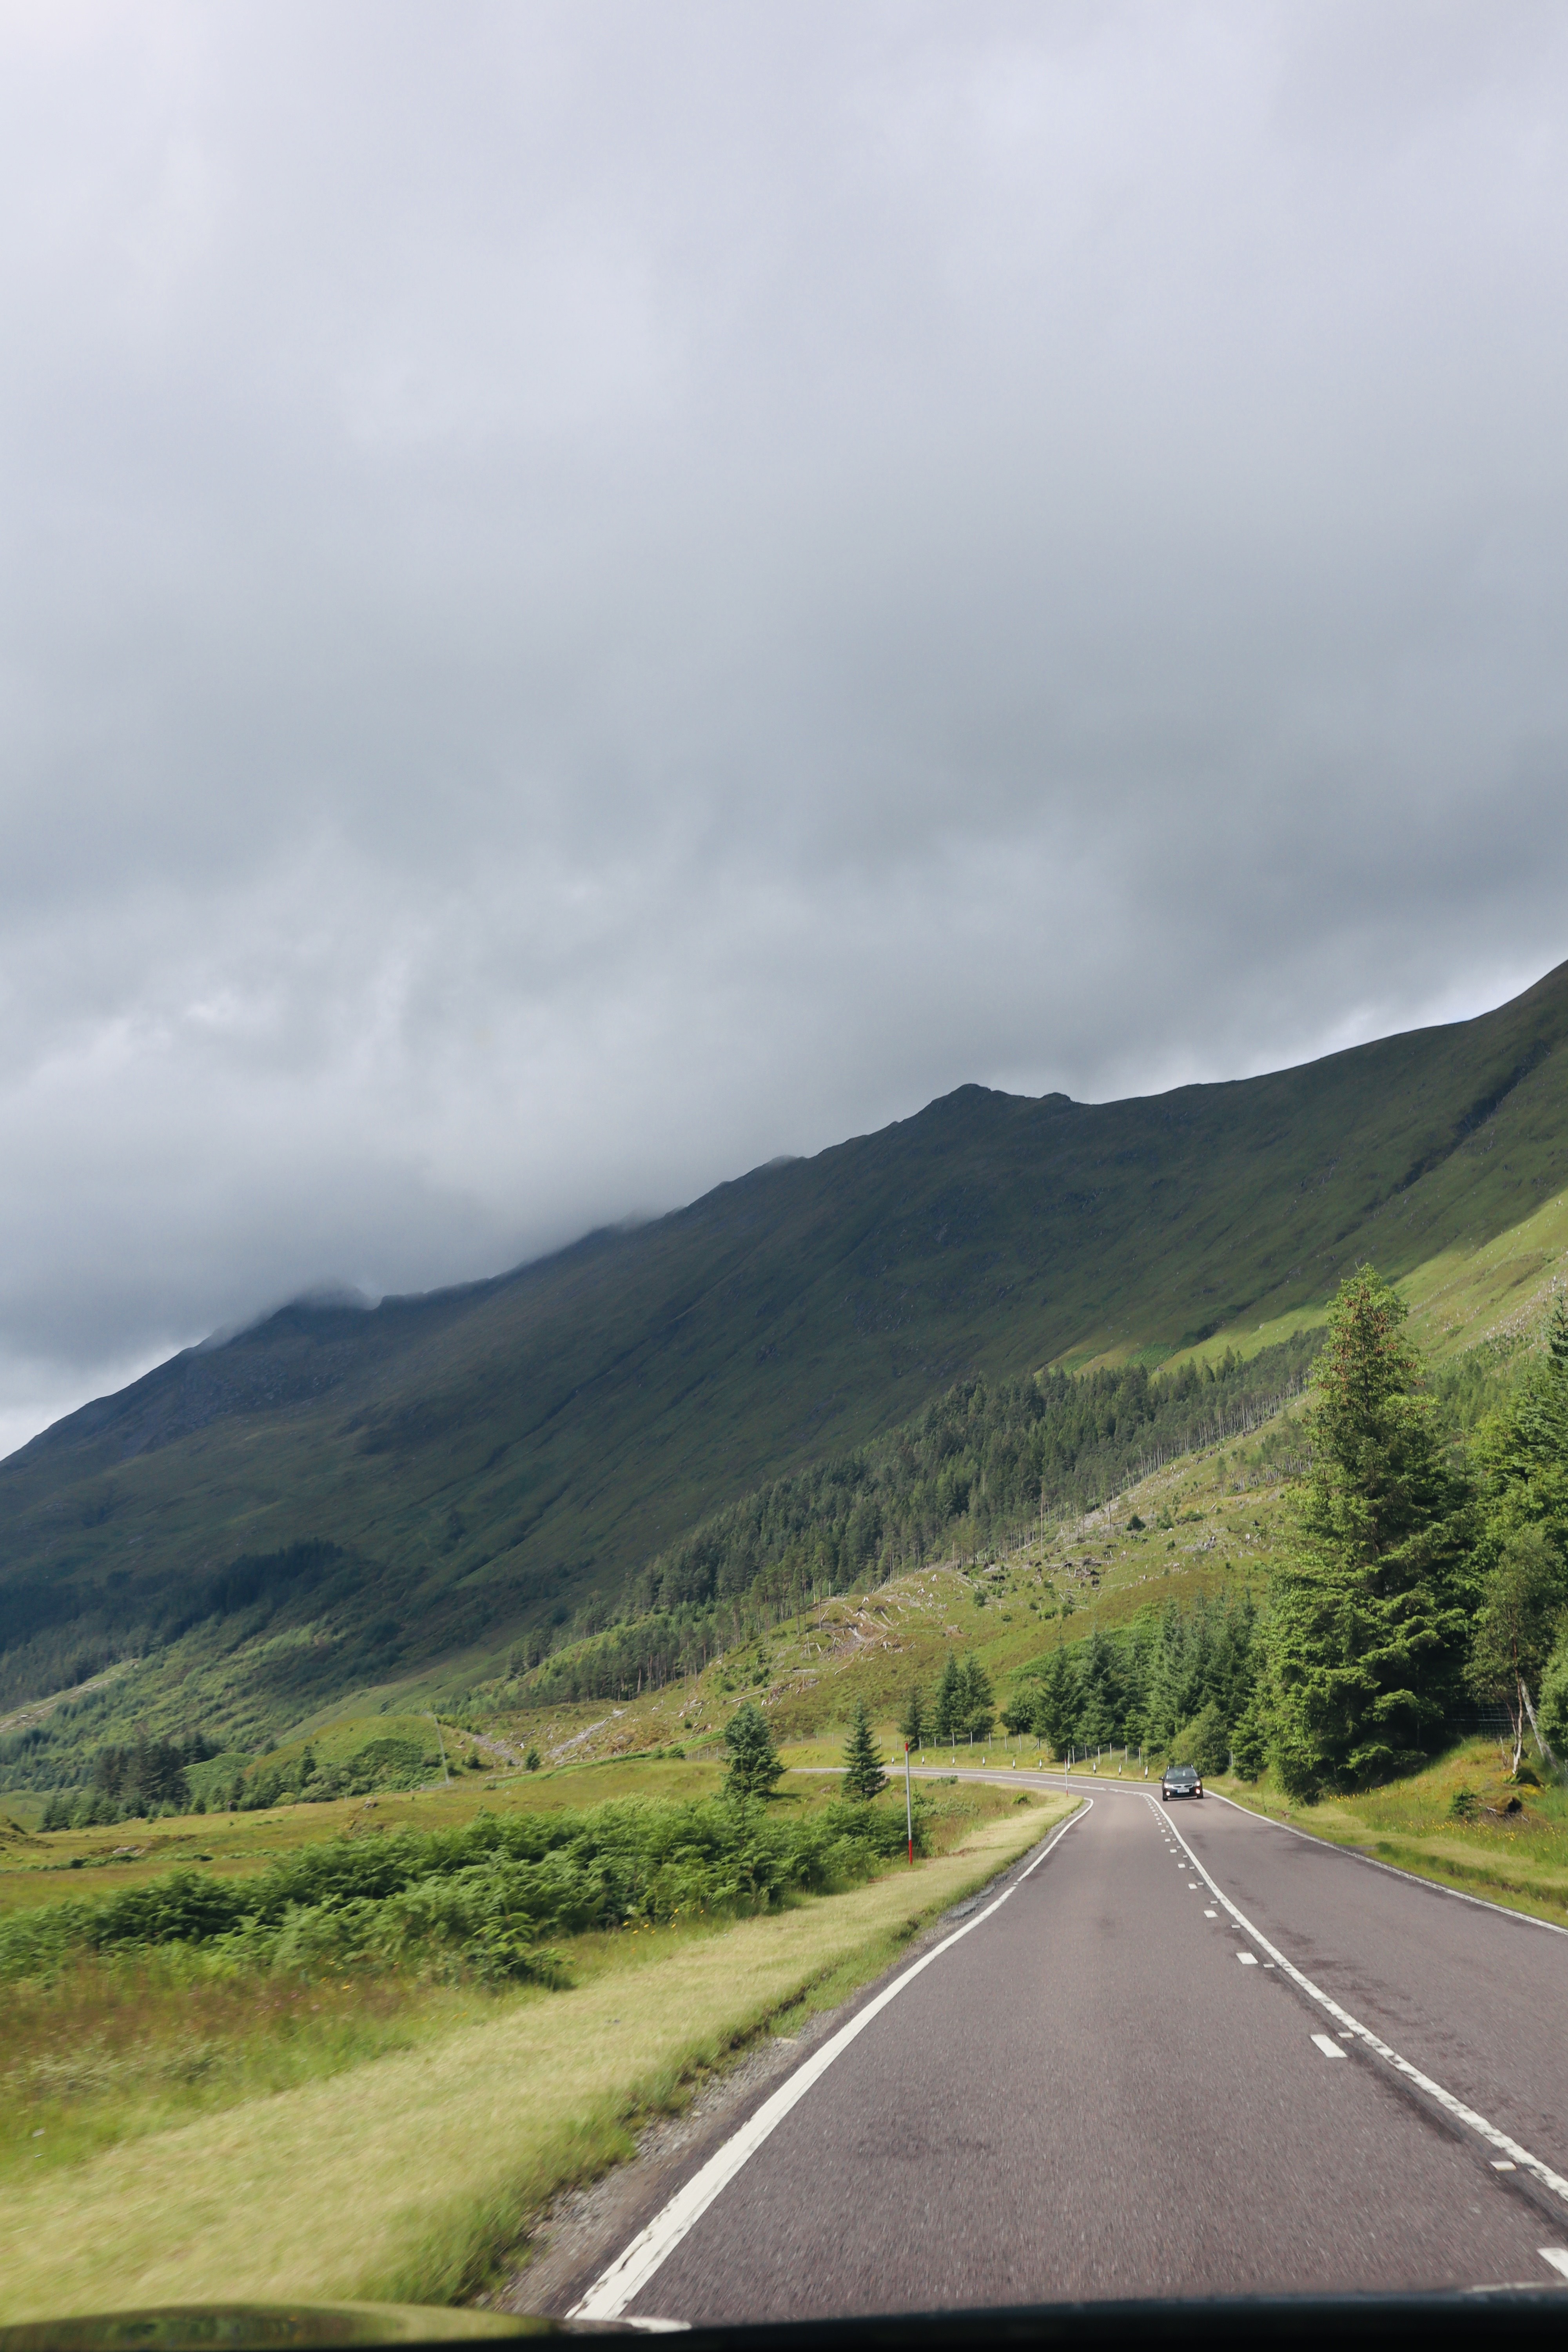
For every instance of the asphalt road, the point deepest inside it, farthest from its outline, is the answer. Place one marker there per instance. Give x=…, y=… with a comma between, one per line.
x=1107, y=2085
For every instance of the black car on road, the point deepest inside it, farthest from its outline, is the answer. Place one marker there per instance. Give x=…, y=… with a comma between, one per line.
x=1180, y=1781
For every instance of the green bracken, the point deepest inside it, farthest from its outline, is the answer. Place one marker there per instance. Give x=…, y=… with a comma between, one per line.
x=486, y=1896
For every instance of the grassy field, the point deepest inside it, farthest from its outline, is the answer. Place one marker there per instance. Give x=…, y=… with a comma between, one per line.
x=174, y=2140
x=90, y=1865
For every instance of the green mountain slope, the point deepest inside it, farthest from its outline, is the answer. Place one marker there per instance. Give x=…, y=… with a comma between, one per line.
x=437, y=1472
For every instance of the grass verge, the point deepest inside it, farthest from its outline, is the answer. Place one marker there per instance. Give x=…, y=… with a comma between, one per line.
x=407, y=2180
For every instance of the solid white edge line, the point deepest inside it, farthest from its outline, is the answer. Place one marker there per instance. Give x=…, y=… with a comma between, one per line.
x=1413, y=1877
x=1456, y=2107
x=1328, y=1845
x=631, y=2271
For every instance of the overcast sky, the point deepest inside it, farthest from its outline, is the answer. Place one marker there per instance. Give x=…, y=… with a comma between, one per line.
x=592, y=593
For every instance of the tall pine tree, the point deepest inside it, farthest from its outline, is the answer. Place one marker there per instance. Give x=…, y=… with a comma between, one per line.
x=1099, y=1703
x=1056, y=1707
x=1515, y=1626
x=950, y=1695
x=863, y=1774
x=1522, y=1450
x=754, y=1763
x=978, y=1701
x=1368, y=1620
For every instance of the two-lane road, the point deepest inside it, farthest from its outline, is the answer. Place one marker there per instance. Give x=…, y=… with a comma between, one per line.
x=1188, y=2053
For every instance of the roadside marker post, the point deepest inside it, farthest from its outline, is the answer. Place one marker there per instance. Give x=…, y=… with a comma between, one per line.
x=909, y=1806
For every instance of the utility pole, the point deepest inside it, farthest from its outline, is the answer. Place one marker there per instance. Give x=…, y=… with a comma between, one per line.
x=909, y=1806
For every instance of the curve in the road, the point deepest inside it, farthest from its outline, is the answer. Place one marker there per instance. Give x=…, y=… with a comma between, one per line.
x=1090, y=2098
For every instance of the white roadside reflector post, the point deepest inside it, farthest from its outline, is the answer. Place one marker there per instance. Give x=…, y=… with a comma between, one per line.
x=909, y=1806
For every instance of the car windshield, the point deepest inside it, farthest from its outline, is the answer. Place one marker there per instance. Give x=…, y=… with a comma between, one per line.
x=758, y=782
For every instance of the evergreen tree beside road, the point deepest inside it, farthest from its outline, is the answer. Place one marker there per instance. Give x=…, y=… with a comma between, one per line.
x=754, y=1764
x=949, y=1699
x=863, y=1774
x=1370, y=1611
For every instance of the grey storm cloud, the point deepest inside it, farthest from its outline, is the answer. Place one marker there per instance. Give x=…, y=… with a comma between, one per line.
x=592, y=593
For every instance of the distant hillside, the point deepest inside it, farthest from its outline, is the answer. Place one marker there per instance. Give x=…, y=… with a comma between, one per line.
x=334, y=1499
x=968, y=1476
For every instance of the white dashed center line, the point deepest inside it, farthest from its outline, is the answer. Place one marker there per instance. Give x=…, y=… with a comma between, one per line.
x=1557, y=2256
x=1248, y=1959
x=1327, y=2045
x=1353, y=2030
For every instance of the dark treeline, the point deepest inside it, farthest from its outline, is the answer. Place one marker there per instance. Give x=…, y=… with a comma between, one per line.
x=387, y=1762
x=139, y=1781
x=37, y=1656
x=54, y=1637
x=133, y=1781
x=973, y=1473
x=1187, y=1681
x=312, y=1581
x=265, y=1579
